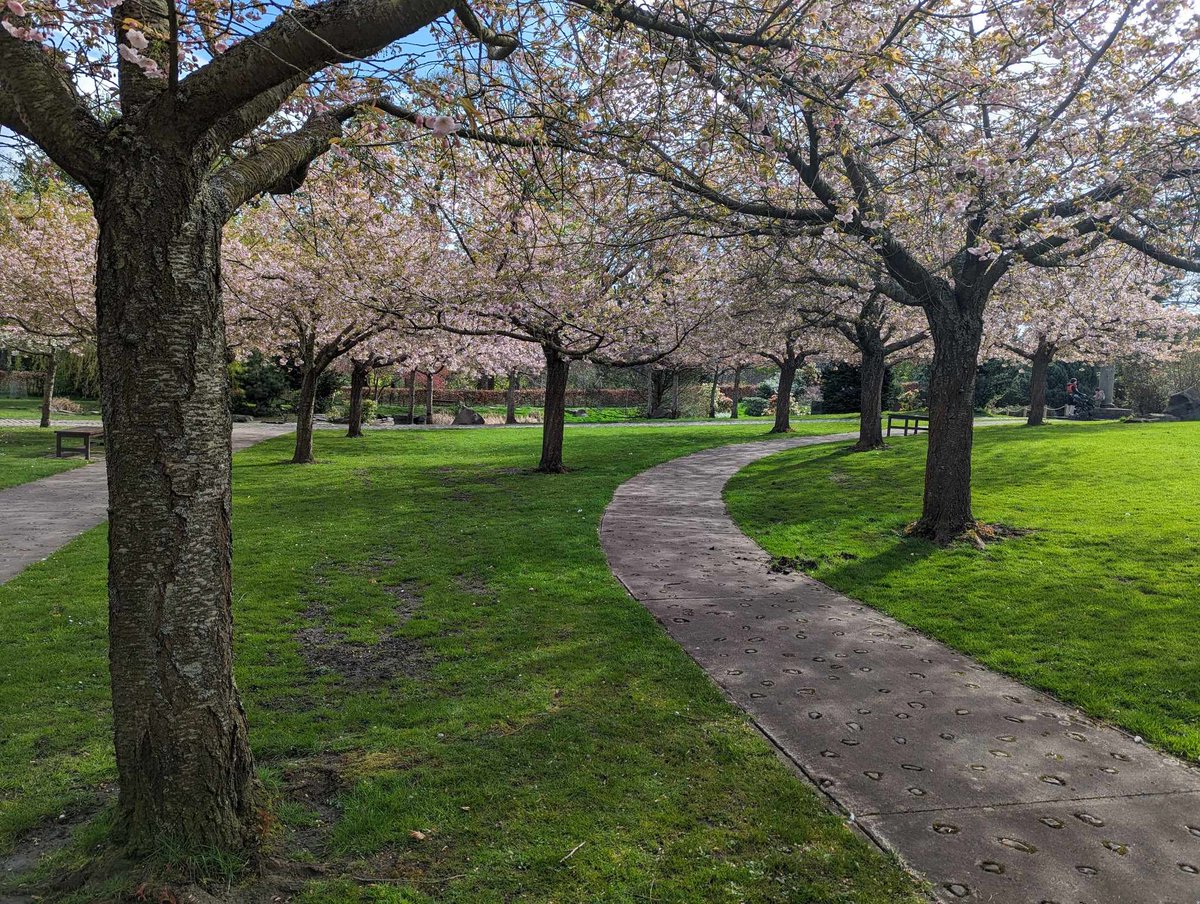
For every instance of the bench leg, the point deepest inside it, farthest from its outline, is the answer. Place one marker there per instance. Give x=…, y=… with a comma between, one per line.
x=87, y=448
x=57, y=446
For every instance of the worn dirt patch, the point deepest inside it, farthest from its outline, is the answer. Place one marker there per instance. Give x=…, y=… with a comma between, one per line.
x=328, y=651
x=45, y=838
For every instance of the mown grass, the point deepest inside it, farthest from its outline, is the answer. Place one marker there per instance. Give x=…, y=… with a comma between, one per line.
x=27, y=453
x=546, y=739
x=31, y=409
x=1097, y=604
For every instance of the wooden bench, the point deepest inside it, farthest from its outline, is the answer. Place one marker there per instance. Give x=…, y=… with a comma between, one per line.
x=435, y=402
x=87, y=434
x=916, y=420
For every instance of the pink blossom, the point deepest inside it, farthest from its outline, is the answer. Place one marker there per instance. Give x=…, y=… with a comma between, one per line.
x=443, y=125
x=137, y=39
x=16, y=7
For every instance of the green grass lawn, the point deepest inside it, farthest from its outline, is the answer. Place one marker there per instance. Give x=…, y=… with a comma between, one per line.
x=27, y=453
x=31, y=409
x=1098, y=604
x=429, y=641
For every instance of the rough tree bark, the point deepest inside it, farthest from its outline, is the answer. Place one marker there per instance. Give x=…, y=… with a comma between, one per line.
x=554, y=411
x=737, y=380
x=48, y=377
x=305, y=412
x=957, y=329
x=182, y=756
x=360, y=373
x=1040, y=364
x=788, y=365
x=872, y=372
x=510, y=398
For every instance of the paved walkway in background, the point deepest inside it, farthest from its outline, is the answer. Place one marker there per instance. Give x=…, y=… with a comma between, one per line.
x=38, y=517
x=992, y=791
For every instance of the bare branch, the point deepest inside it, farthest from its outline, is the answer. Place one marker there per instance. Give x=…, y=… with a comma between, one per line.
x=499, y=45
x=38, y=101
x=298, y=43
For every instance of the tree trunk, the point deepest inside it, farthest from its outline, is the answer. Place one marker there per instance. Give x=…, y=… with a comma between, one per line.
x=712, y=395
x=554, y=412
x=1107, y=375
x=359, y=375
x=48, y=376
x=510, y=399
x=675, y=394
x=1037, y=384
x=870, y=428
x=305, y=411
x=737, y=380
x=429, y=398
x=183, y=761
x=783, y=398
x=946, y=511
x=412, y=396
x=651, y=383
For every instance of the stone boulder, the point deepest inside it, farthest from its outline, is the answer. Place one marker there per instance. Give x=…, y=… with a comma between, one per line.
x=1184, y=405
x=468, y=417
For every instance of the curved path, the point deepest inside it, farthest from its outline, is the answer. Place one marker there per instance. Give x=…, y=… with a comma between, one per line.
x=990, y=790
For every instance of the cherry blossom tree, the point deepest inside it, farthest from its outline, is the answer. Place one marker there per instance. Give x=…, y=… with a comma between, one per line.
x=850, y=295
x=952, y=143
x=172, y=115
x=778, y=321
x=47, y=276
x=322, y=272
x=568, y=272
x=1114, y=304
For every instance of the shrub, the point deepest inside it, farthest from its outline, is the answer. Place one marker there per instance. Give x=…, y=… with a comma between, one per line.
x=369, y=412
x=259, y=385
x=755, y=406
x=765, y=390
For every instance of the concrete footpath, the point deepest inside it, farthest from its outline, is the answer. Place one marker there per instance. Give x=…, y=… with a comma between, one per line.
x=38, y=517
x=990, y=790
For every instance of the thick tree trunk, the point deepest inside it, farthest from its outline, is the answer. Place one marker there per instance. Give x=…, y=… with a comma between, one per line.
x=359, y=375
x=554, y=412
x=183, y=761
x=48, y=377
x=412, y=396
x=675, y=394
x=510, y=399
x=957, y=329
x=737, y=380
x=872, y=373
x=1040, y=363
x=783, y=398
x=429, y=398
x=305, y=411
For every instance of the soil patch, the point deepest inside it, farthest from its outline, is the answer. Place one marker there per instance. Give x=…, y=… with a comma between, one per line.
x=328, y=651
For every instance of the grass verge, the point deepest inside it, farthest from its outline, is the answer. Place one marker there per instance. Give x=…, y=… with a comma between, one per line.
x=27, y=453
x=1097, y=604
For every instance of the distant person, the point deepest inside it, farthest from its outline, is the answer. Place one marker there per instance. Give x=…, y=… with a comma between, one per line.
x=1098, y=398
x=1072, y=391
